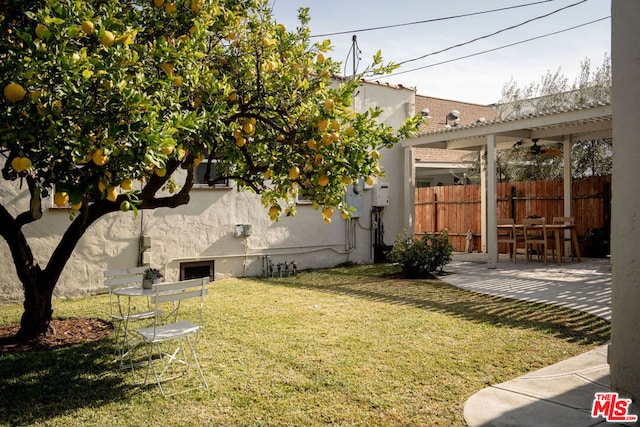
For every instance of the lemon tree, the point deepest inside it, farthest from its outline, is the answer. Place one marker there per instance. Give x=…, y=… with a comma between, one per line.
x=99, y=95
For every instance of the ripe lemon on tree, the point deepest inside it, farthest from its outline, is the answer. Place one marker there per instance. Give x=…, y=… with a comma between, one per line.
x=127, y=184
x=329, y=104
x=108, y=39
x=98, y=157
x=370, y=180
x=112, y=194
x=323, y=180
x=320, y=58
x=16, y=164
x=20, y=164
x=61, y=199
x=25, y=163
x=249, y=128
x=88, y=27
x=76, y=206
x=14, y=92
x=294, y=172
x=323, y=124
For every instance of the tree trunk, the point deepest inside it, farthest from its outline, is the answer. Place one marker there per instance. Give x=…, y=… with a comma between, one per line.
x=36, y=317
x=39, y=284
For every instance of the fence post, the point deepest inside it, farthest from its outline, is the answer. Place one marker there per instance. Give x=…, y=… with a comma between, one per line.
x=434, y=228
x=512, y=203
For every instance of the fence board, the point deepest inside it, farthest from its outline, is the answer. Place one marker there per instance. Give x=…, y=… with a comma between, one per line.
x=457, y=208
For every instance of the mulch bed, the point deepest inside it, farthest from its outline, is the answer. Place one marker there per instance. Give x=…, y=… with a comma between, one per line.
x=63, y=333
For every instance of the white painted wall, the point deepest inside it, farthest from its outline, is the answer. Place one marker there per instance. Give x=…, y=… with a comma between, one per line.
x=398, y=103
x=204, y=228
x=625, y=233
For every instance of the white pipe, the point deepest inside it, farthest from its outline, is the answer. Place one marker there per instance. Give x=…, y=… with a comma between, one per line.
x=292, y=251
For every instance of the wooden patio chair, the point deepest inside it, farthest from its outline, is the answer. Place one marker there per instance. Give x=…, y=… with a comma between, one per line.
x=508, y=235
x=565, y=220
x=535, y=237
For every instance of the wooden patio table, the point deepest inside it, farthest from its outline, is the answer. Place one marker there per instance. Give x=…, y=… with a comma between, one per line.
x=556, y=229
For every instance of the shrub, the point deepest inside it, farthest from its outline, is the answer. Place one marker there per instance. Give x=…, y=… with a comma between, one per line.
x=420, y=256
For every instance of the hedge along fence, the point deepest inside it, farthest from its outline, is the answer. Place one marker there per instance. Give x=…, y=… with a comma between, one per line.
x=457, y=209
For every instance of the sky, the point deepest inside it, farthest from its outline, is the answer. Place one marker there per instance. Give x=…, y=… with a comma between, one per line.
x=479, y=78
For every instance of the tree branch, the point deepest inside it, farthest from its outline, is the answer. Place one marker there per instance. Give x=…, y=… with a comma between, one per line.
x=22, y=256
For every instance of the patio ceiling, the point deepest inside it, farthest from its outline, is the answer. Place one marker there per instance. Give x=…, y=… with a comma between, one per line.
x=588, y=122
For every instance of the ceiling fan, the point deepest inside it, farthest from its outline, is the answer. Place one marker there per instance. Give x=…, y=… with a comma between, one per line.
x=537, y=150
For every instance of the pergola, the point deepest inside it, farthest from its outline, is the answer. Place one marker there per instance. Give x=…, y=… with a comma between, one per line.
x=561, y=126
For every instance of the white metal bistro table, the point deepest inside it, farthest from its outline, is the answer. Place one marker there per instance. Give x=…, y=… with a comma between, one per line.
x=130, y=313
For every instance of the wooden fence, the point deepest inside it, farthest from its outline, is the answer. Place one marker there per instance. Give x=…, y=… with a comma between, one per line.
x=457, y=209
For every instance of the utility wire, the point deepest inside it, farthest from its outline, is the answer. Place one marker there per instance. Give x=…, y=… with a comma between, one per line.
x=492, y=34
x=494, y=49
x=430, y=20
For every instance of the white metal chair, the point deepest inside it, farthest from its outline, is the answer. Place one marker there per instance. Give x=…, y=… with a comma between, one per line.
x=171, y=341
x=116, y=279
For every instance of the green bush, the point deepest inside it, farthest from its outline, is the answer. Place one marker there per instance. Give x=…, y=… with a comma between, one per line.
x=420, y=256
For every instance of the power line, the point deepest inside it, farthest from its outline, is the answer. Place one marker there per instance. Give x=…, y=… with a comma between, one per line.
x=431, y=20
x=492, y=34
x=494, y=49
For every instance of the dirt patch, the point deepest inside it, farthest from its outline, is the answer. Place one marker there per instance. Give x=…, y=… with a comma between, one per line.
x=63, y=333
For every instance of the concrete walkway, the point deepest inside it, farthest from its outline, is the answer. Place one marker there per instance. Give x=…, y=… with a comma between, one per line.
x=558, y=395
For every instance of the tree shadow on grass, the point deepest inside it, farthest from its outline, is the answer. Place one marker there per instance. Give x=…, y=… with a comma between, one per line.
x=381, y=284
x=41, y=385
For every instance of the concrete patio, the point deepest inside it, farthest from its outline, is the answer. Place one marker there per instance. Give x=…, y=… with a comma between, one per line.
x=557, y=395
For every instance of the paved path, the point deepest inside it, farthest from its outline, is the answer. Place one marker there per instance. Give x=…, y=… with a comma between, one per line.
x=561, y=394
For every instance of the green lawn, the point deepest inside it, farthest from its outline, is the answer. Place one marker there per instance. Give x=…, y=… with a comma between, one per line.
x=343, y=346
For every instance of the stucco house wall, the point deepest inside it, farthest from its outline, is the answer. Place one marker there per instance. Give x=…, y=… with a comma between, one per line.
x=204, y=229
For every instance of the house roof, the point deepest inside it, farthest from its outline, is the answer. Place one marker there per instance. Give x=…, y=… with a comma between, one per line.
x=585, y=122
x=439, y=155
x=439, y=109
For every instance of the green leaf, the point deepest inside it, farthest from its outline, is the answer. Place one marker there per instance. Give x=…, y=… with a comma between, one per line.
x=56, y=21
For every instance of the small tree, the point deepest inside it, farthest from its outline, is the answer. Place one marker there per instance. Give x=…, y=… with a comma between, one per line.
x=106, y=103
x=419, y=257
